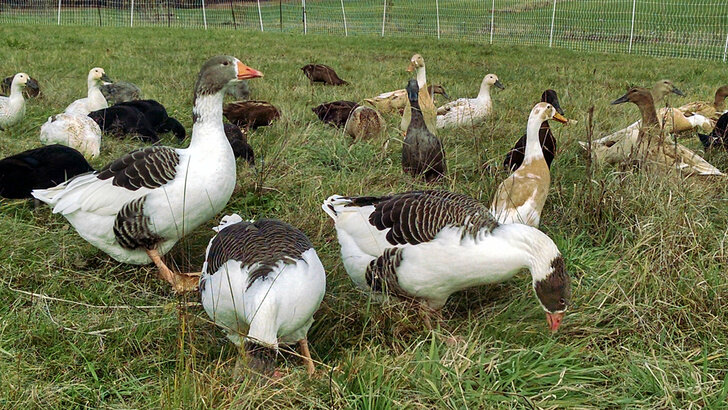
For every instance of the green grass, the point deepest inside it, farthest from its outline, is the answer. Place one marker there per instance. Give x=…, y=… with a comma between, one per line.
x=647, y=254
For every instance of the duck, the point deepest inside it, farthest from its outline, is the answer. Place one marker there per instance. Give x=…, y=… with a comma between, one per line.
x=121, y=121
x=422, y=152
x=520, y=197
x=77, y=131
x=365, y=123
x=718, y=138
x=251, y=114
x=437, y=89
x=427, y=245
x=707, y=109
x=239, y=143
x=158, y=118
x=32, y=88
x=39, y=168
x=514, y=157
x=396, y=101
x=321, y=73
x=263, y=277
x=12, y=108
x=95, y=99
x=469, y=111
x=427, y=105
x=120, y=91
x=136, y=208
x=336, y=112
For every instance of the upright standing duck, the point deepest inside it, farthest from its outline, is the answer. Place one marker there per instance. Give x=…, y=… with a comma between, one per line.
x=427, y=105
x=263, y=276
x=95, y=100
x=422, y=152
x=12, y=108
x=136, y=208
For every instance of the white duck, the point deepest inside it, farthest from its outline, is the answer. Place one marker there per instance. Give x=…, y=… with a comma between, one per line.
x=264, y=277
x=73, y=130
x=12, y=108
x=136, y=208
x=428, y=245
x=95, y=99
x=469, y=111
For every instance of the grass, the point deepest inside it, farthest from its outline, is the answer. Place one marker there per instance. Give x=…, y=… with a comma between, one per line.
x=647, y=254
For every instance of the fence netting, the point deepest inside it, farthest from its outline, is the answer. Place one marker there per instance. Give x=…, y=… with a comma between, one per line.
x=676, y=28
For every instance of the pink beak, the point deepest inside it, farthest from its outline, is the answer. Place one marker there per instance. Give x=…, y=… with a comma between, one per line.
x=554, y=320
x=245, y=72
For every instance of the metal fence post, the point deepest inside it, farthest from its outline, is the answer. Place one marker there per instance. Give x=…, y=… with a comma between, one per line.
x=131, y=19
x=343, y=13
x=492, y=19
x=260, y=16
x=232, y=12
x=725, y=49
x=98, y=9
x=553, y=18
x=631, y=31
x=305, y=23
x=204, y=15
x=59, y=12
x=437, y=12
x=384, y=16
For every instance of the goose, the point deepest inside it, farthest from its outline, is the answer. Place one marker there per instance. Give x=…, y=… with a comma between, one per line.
x=120, y=91
x=422, y=152
x=251, y=114
x=336, y=112
x=719, y=137
x=427, y=105
x=468, y=111
x=39, y=168
x=520, y=197
x=12, y=108
x=706, y=109
x=265, y=277
x=121, y=121
x=136, y=208
x=239, y=143
x=321, y=73
x=95, y=99
x=546, y=138
x=77, y=131
x=365, y=123
x=427, y=245
x=157, y=116
x=32, y=88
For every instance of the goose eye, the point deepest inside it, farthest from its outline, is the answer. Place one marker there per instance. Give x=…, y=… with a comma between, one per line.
x=226, y=63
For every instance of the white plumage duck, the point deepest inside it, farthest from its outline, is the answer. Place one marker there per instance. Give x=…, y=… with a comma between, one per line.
x=77, y=131
x=95, y=99
x=428, y=245
x=12, y=108
x=263, y=276
x=136, y=208
x=469, y=111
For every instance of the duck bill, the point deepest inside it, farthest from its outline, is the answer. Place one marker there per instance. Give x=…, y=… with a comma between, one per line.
x=621, y=100
x=245, y=72
x=499, y=85
x=554, y=320
x=560, y=118
x=106, y=78
x=411, y=67
x=678, y=92
x=556, y=105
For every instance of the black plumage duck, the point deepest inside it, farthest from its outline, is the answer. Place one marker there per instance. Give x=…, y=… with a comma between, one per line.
x=719, y=137
x=239, y=142
x=158, y=118
x=120, y=121
x=321, y=73
x=422, y=152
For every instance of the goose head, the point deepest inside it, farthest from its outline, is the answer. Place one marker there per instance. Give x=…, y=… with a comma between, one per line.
x=664, y=87
x=413, y=92
x=221, y=72
x=489, y=81
x=97, y=76
x=544, y=111
x=549, y=96
x=554, y=292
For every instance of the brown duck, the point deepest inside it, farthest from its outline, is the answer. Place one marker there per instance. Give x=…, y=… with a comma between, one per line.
x=321, y=73
x=422, y=152
x=251, y=114
x=335, y=113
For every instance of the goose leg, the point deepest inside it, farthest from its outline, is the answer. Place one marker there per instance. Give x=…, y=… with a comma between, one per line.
x=181, y=282
x=303, y=343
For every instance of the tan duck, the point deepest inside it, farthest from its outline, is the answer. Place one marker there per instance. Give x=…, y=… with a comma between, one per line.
x=365, y=123
x=707, y=109
x=427, y=106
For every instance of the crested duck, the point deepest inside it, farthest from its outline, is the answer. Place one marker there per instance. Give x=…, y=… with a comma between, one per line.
x=239, y=143
x=520, y=197
x=321, y=73
x=365, y=123
x=265, y=277
x=707, y=109
x=136, y=208
x=428, y=245
x=39, y=168
x=12, y=108
x=77, y=131
x=422, y=152
x=427, y=105
x=336, y=112
x=95, y=99
x=121, y=121
x=546, y=138
x=251, y=114
x=158, y=118
x=719, y=137
x=120, y=91
x=468, y=111
x=32, y=88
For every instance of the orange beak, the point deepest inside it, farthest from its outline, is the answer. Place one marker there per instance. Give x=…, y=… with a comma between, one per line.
x=411, y=67
x=560, y=118
x=245, y=72
x=554, y=320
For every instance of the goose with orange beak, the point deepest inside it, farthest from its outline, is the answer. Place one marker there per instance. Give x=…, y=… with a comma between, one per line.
x=137, y=208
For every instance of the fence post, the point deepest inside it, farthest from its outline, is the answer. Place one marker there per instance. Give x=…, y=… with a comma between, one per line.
x=305, y=23
x=169, y=15
x=553, y=18
x=131, y=19
x=492, y=19
x=204, y=15
x=725, y=49
x=631, y=30
x=343, y=13
x=437, y=12
x=260, y=16
x=280, y=13
x=232, y=11
x=384, y=16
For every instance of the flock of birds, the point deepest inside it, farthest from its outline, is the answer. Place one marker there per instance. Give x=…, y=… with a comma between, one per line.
x=262, y=281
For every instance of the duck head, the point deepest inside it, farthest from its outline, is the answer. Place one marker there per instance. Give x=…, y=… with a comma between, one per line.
x=636, y=95
x=544, y=111
x=664, y=87
x=554, y=292
x=489, y=81
x=97, y=75
x=20, y=80
x=438, y=89
x=549, y=96
x=219, y=72
x=416, y=62
x=720, y=95
x=413, y=91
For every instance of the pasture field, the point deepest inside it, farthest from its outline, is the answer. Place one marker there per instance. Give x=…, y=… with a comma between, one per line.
x=647, y=254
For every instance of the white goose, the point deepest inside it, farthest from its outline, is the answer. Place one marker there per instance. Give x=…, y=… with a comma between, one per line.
x=95, y=99
x=77, y=131
x=136, y=208
x=12, y=108
x=266, y=277
x=468, y=111
x=430, y=244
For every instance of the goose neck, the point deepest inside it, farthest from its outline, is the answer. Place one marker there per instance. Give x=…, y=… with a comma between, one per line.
x=536, y=249
x=207, y=117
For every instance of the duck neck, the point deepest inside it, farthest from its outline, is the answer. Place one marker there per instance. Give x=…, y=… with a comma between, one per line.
x=534, y=249
x=94, y=91
x=484, y=93
x=421, y=77
x=16, y=91
x=207, y=117
x=649, y=115
x=533, y=145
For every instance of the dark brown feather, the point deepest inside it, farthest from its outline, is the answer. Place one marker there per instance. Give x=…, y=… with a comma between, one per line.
x=381, y=274
x=335, y=113
x=132, y=228
x=149, y=167
x=514, y=157
x=251, y=114
x=422, y=152
x=321, y=73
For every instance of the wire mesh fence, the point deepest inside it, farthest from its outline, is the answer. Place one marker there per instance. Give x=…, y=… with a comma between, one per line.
x=676, y=28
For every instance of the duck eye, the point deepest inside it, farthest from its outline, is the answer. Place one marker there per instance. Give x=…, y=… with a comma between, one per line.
x=562, y=301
